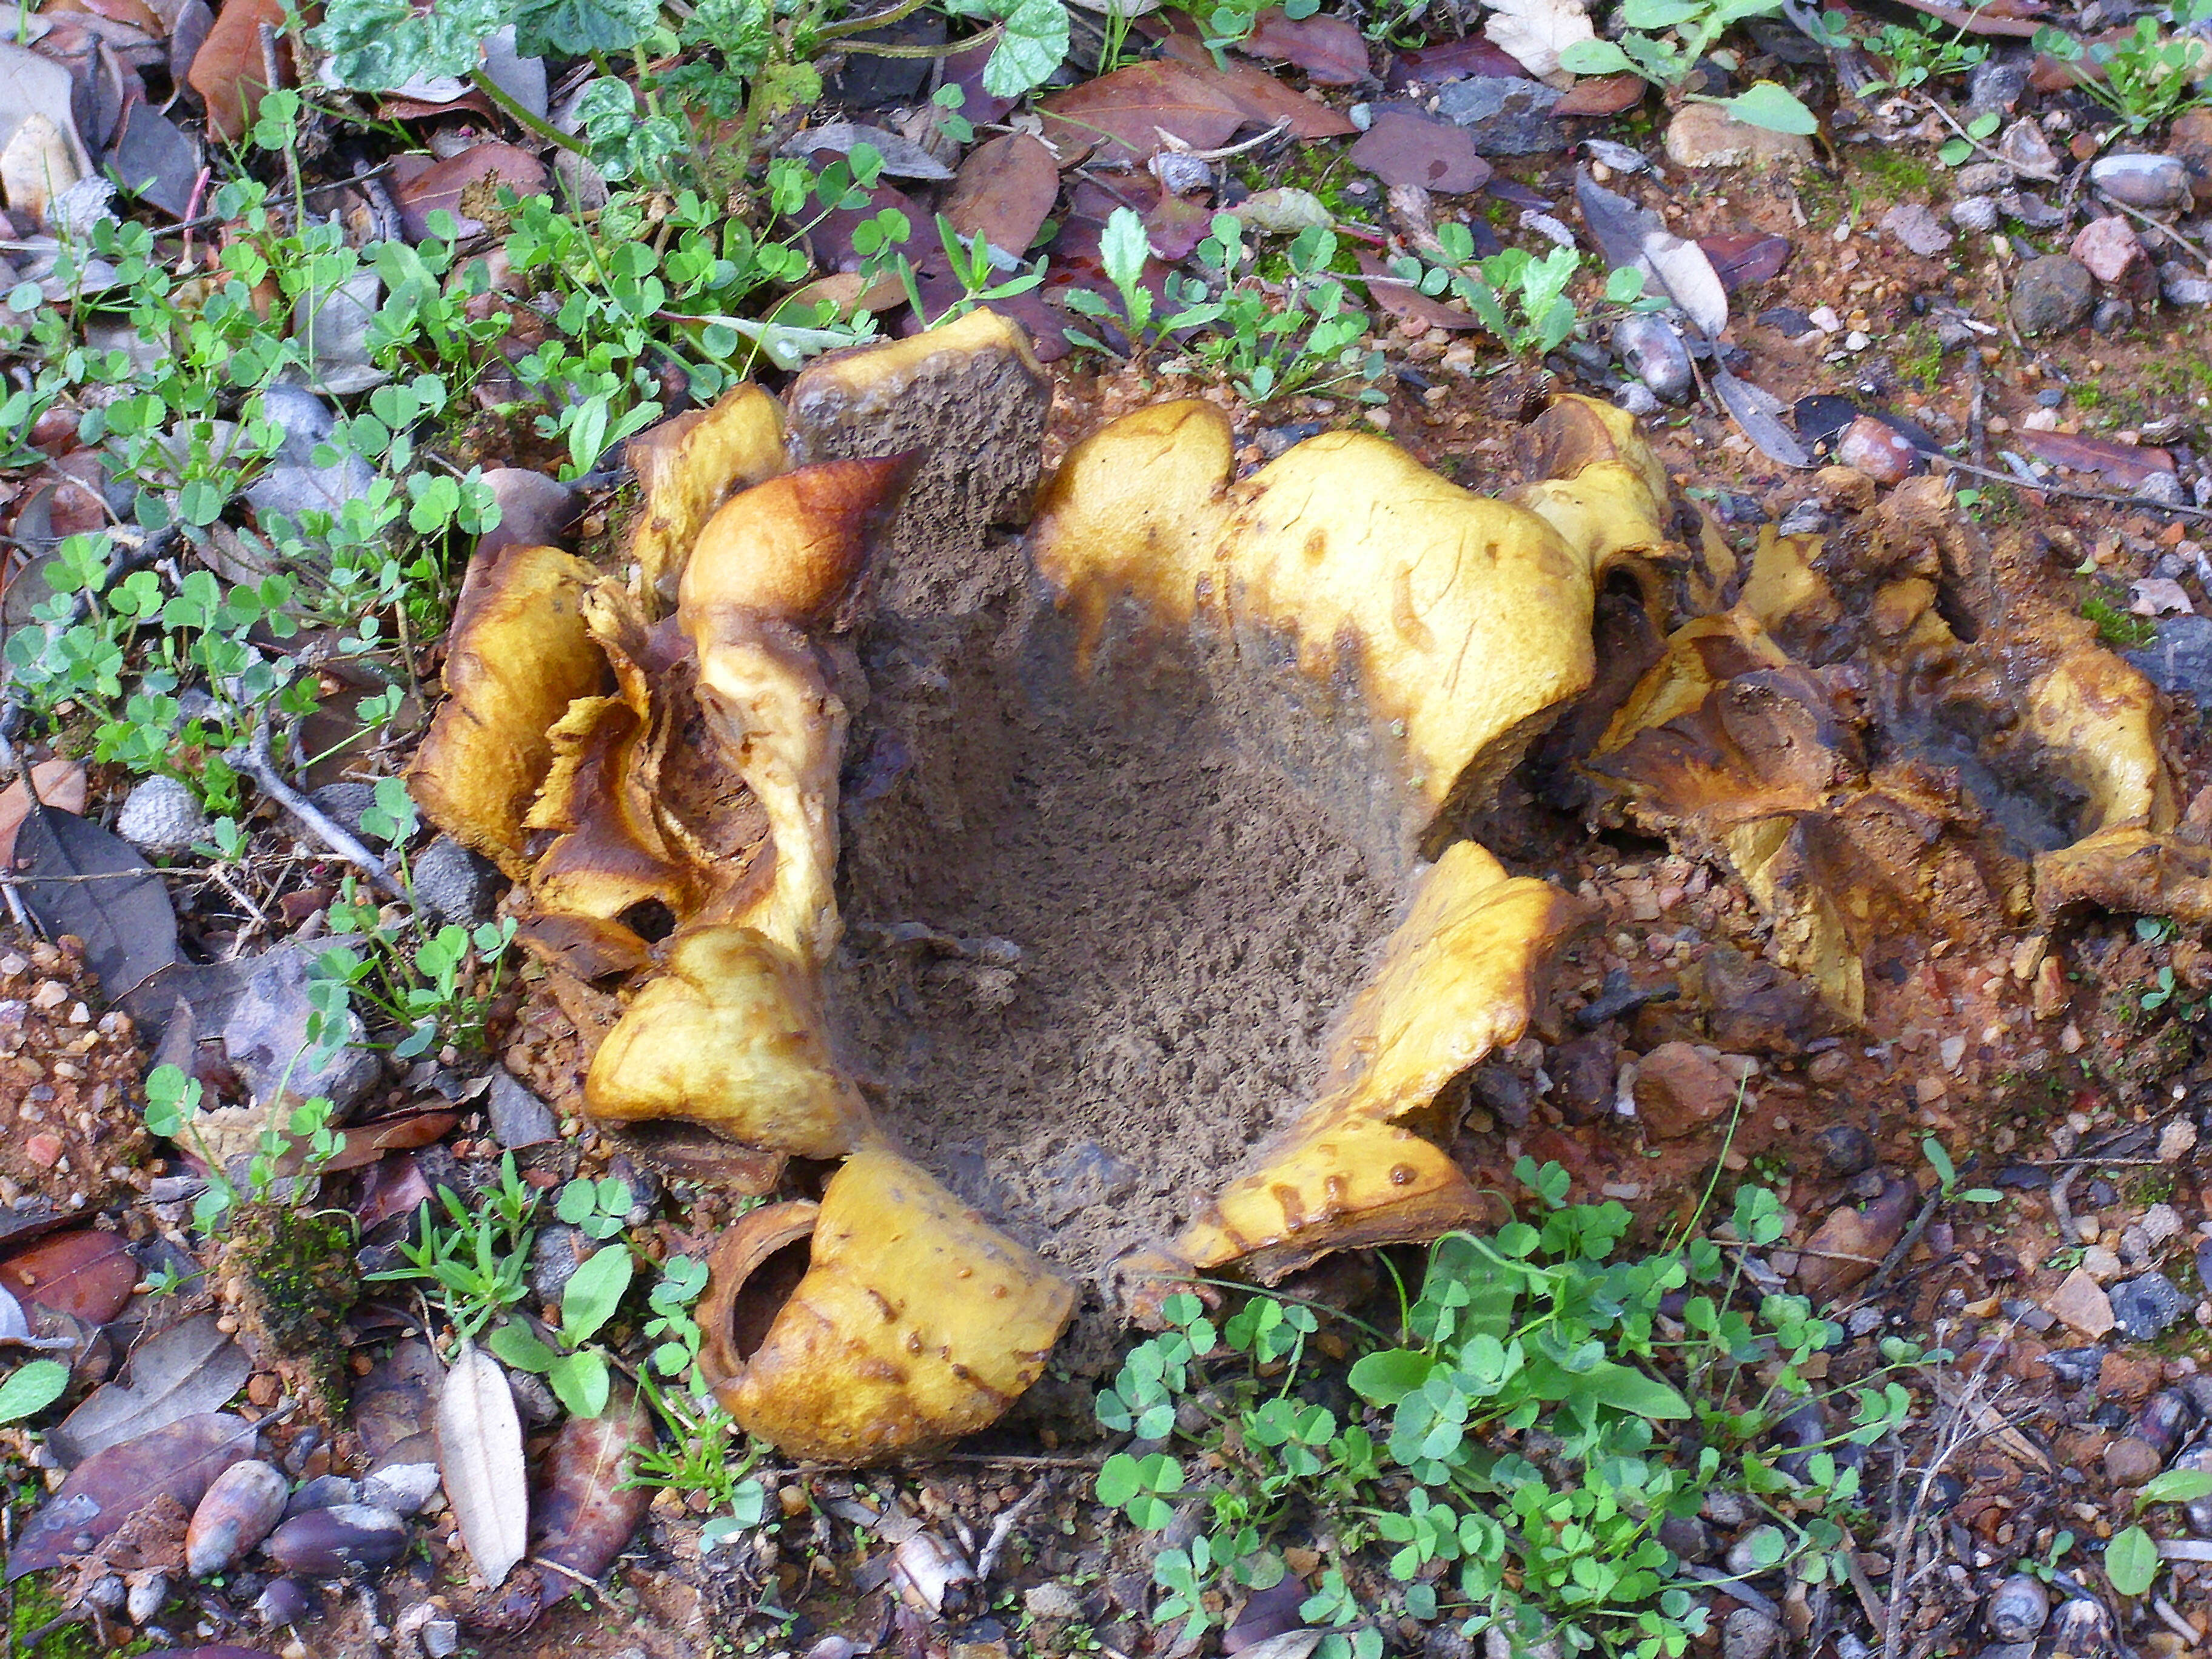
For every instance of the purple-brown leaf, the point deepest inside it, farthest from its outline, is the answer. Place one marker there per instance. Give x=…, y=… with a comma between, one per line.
x=177, y=1463
x=1404, y=148
x=1331, y=51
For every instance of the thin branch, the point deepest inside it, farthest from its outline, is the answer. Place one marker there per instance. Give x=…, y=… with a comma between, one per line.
x=255, y=760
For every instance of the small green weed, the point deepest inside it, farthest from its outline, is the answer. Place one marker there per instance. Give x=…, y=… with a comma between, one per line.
x=2146, y=76
x=1663, y=41
x=1269, y=339
x=1914, y=53
x=1521, y=1473
x=2122, y=630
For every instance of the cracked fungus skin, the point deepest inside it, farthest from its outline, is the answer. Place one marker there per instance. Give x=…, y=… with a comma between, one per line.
x=1100, y=891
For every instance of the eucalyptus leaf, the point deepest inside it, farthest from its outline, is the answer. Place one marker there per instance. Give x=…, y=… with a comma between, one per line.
x=32, y=1386
x=1763, y=104
x=2131, y=1562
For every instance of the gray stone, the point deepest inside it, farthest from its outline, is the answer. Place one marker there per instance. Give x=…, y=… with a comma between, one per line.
x=2052, y=295
x=2184, y=286
x=1747, y=1633
x=518, y=1117
x=2023, y=146
x=345, y=802
x=2149, y=182
x=1052, y=1600
x=1917, y=228
x=2144, y=1307
x=2112, y=315
x=2032, y=209
x=2180, y=658
x=1975, y=213
x=1638, y=399
x=265, y=1040
x=1505, y=114
x=1981, y=178
x=454, y=883
x=1995, y=86
x=1655, y=353
x=2162, y=488
x=161, y=818
x=403, y=1488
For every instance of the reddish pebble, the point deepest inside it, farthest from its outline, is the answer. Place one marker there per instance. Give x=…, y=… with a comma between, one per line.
x=1878, y=450
x=2109, y=248
x=44, y=1150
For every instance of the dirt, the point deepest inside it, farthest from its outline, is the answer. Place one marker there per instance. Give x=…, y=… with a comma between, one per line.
x=1094, y=937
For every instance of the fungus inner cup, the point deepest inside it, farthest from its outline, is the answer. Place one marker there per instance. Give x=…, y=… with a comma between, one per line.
x=1095, y=929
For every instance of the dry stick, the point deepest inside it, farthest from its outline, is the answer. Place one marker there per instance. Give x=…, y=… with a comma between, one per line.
x=1906, y=1240
x=1900, y=1557
x=255, y=759
x=2041, y=175
x=2063, y=1211
x=987, y=1562
x=2041, y=486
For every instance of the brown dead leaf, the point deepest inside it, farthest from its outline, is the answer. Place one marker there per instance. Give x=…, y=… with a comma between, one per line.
x=1131, y=114
x=1405, y=147
x=1331, y=50
x=440, y=187
x=1407, y=303
x=228, y=71
x=587, y=1509
x=1603, y=95
x=1264, y=99
x=177, y=1463
x=59, y=783
x=1005, y=192
x=2125, y=464
x=87, y=1273
x=480, y=1457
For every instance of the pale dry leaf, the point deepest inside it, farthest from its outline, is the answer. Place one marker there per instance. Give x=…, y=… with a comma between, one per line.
x=1534, y=32
x=1686, y=274
x=2159, y=595
x=480, y=1457
x=1759, y=412
x=186, y=1370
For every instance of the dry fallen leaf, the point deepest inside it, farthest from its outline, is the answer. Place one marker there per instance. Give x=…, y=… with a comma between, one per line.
x=480, y=1456
x=1330, y=49
x=228, y=71
x=190, y=1369
x=1132, y=113
x=1536, y=32
x=59, y=783
x=173, y=1465
x=1005, y=192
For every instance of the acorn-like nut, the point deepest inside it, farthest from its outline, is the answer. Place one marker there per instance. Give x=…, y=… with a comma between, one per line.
x=241, y=1508
x=281, y=1602
x=2018, y=1610
x=334, y=1542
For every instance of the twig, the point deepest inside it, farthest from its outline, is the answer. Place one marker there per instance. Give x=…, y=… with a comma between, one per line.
x=2044, y=486
x=255, y=760
x=1909, y=1524
x=1906, y=1240
x=987, y=1562
x=2041, y=175
x=2062, y=1210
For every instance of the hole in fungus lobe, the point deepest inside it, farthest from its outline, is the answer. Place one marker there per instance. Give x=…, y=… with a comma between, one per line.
x=1094, y=935
x=767, y=1288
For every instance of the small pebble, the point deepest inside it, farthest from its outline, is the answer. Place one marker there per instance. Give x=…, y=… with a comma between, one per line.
x=1975, y=213
x=2148, y=182
x=2146, y=1306
x=161, y=818
x=2018, y=1609
x=1878, y=450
